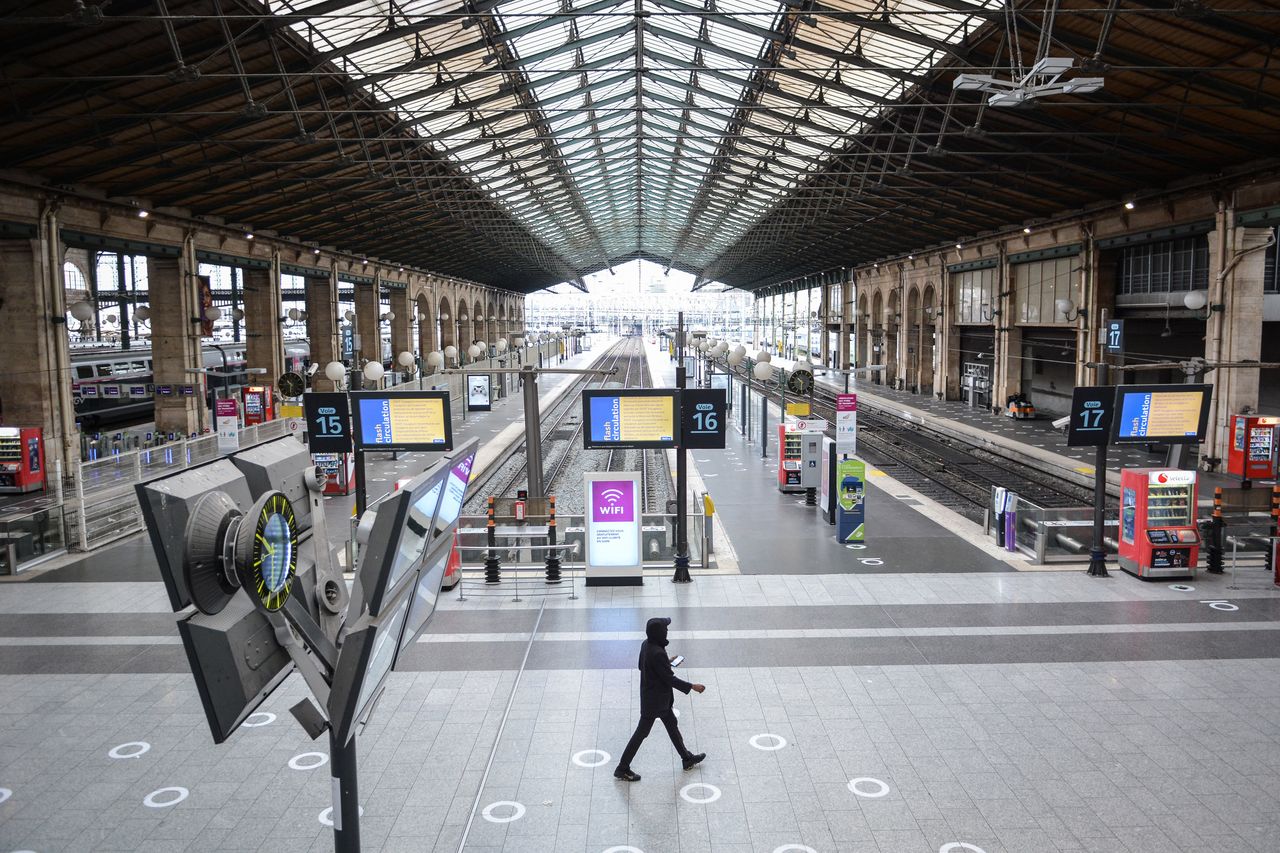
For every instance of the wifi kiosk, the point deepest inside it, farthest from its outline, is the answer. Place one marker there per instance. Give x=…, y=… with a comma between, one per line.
x=246, y=560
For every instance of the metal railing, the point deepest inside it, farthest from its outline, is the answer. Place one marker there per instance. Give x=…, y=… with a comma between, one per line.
x=100, y=505
x=1052, y=534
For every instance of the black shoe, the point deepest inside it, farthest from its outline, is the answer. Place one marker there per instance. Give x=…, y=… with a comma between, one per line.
x=694, y=760
x=626, y=775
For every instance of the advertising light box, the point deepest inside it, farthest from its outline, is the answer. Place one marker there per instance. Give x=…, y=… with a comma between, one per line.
x=402, y=420
x=1172, y=414
x=613, y=528
x=455, y=488
x=479, y=392
x=639, y=418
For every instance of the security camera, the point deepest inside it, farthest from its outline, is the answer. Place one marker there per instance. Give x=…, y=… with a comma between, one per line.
x=1061, y=423
x=311, y=371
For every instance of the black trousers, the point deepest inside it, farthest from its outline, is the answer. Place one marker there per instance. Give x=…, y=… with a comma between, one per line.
x=645, y=726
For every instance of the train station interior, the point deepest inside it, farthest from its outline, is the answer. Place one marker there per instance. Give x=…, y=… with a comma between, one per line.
x=407, y=405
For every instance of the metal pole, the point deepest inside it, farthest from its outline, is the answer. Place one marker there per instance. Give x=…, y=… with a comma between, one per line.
x=1098, y=555
x=346, y=806
x=682, y=475
x=532, y=433
x=362, y=498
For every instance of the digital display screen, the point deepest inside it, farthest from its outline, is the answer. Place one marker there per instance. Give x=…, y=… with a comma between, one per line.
x=630, y=418
x=425, y=594
x=403, y=420
x=1158, y=536
x=1168, y=413
x=455, y=493
x=415, y=533
x=386, y=638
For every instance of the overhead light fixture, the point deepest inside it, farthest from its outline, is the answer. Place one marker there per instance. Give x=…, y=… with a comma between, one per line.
x=911, y=257
x=1026, y=230
x=316, y=250
x=143, y=214
x=1042, y=80
x=248, y=235
x=1128, y=205
x=959, y=246
x=364, y=262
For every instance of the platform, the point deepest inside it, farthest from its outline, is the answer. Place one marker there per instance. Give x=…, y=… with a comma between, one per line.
x=1032, y=441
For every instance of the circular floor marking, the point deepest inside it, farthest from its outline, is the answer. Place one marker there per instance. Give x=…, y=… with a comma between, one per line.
x=624, y=849
x=1181, y=587
x=5, y=794
x=132, y=749
x=952, y=846
x=308, y=761
x=326, y=816
x=517, y=811
x=794, y=848
x=882, y=787
x=856, y=547
x=157, y=798
x=580, y=758
x=265, y=718
x=712, y=795
x=778, y=742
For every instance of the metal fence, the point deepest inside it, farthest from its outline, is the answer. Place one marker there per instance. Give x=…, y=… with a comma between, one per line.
x=100, y=503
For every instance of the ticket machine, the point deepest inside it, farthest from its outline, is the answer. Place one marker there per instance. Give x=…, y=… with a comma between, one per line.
x=1158, y=536
x=1251, y=454
x=21, y=459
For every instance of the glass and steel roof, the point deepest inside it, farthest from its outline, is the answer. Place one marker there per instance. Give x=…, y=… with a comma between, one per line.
x=636, y=128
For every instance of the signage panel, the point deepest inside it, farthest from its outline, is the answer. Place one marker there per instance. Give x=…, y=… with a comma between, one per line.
x=846, y=424
x=328, y=418
x=479, y=392
x=1092, y=409
x=703, y=418
x=227, y=420
x=613, y=553
x=1173, y=414
x=641, y=418
x=1114, y=340
x=851, y=515
x=402, y=420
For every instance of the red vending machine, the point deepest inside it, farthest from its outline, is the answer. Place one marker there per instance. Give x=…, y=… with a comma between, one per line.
x=1158, y=536
x=789, y=452
x=21, y=459
x=259, y=406
x=1252, y=452
x=339, y=470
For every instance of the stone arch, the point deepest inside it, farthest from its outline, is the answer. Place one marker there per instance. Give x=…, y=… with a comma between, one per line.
x=861, y=331
x=504, y=331
x=477, y=321
x=877, y=333
x=422, y=315
x=928, y=329
x=893, y=332
x=913, y=317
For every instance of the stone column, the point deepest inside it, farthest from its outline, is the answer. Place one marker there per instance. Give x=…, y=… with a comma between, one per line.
x=368, y=307
x=35, y=380
x=174, y=292
x=264, y=332
x=1234, y=332
x=322, y=326
x=402, y=325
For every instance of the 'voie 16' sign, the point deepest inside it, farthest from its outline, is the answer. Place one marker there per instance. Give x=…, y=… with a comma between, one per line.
x=613, y=528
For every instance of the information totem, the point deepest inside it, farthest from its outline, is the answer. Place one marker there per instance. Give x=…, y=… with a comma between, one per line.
x=851, y=514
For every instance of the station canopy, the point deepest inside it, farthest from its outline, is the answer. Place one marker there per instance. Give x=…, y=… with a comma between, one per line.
x=522, y=143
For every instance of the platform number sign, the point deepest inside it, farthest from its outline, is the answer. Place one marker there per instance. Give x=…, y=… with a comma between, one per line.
x=1115, y=337
x=1092, y=408
x=328, y=417
x=702, y=418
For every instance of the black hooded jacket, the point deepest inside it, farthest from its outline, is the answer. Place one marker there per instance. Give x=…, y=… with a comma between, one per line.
x=656, y=676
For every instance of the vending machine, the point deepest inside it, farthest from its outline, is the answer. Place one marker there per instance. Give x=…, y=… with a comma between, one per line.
x=1252, y=452
x=1158, y=536
x=259, y=405
x=21, y=459
x=799, y=457
x=339, y=470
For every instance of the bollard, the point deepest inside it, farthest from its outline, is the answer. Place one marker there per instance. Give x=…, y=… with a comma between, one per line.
x=492, y=568
x=810, y=497
x=553, y=555
x=1216, y=532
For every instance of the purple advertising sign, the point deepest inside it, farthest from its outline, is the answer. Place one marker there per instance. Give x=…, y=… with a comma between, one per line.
x=612, y=500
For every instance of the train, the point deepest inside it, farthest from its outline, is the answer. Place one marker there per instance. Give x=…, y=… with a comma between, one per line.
x=130, y=374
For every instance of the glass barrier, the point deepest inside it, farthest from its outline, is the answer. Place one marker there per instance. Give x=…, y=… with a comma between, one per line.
x=29, y=538
x=1053, y=534
x=657, y=541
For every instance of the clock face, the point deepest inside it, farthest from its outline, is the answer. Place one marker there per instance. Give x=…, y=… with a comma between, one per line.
x=290, y=384
x=267, y=561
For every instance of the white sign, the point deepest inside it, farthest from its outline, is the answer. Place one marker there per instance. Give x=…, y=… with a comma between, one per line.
x=847, y=424
x=1171, y=478
x=227, y=423
x=811, y=425
x=613, y=527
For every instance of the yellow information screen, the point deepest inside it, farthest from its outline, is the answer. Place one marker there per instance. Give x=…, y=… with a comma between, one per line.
x=631, y=419
x=1168, y=413
x=403, y=420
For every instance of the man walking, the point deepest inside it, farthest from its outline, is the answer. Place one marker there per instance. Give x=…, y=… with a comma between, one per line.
x=656, y=699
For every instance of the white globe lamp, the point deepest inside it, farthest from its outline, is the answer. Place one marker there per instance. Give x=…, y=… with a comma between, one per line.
x=334, y=371
x=373, y=371
x=81, y=310
x=762, y=371
x=405, y=359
